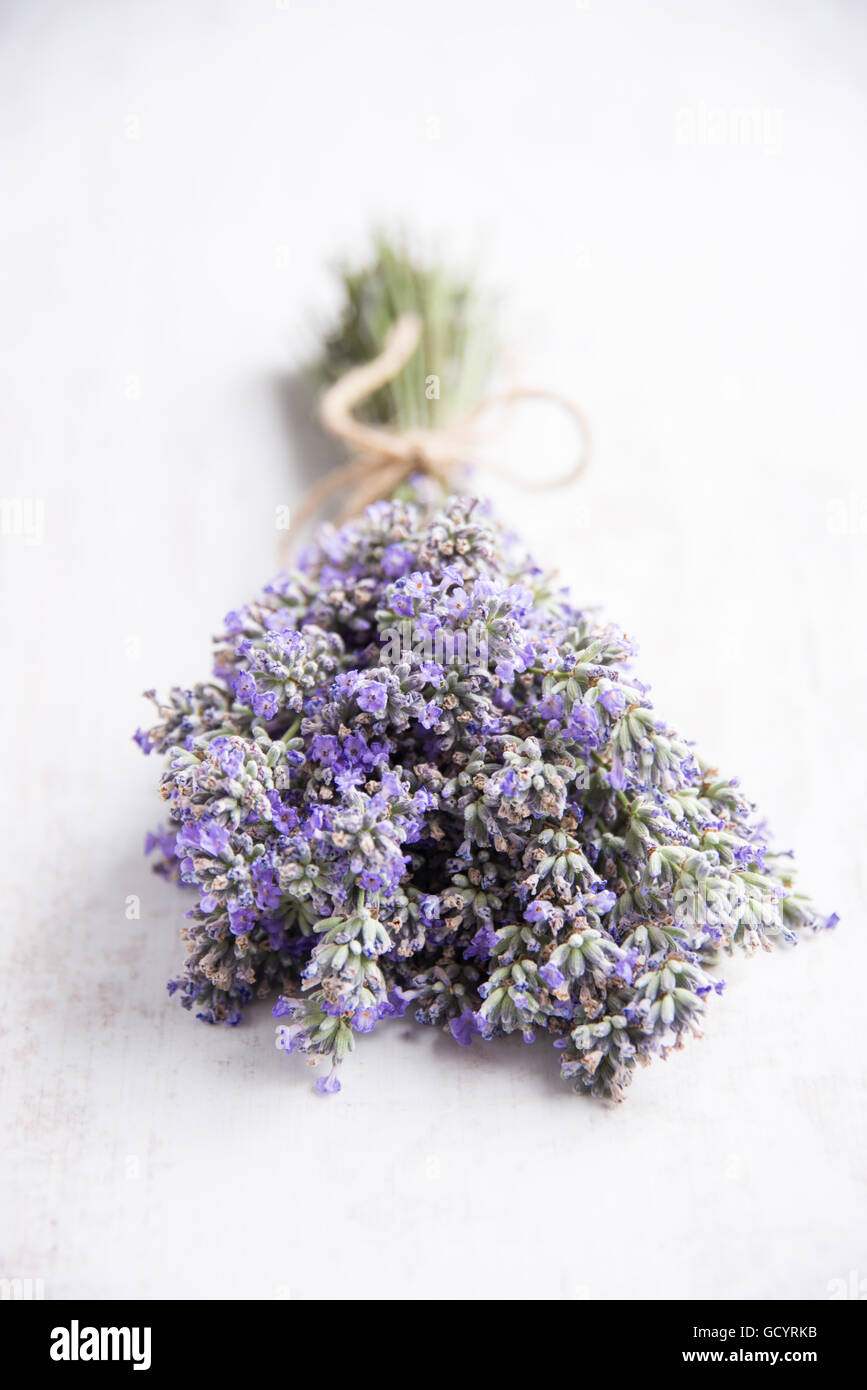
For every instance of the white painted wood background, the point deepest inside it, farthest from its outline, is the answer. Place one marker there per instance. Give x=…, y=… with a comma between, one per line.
x=672, y=200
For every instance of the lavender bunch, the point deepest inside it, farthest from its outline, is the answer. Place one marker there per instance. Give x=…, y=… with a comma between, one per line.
x=422, y=779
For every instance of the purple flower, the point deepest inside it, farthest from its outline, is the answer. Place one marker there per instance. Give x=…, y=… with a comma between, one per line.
x=284, y=818
x=402, y=604
x=613, y=700
x=603, y=902
x=373, y=698
x=396, y=560
x=430, y=715
x=333, y=1007
x=417, y=585
x=553, y=978
x=281, y=621
x=431, y=672
x=625, y=967
x=163, y=840
x=482, y=945
x=464, y=1026
x=245, y=687
x=583, y=725
x=397, y=1002
x=442, y=832
x=229, y=755
x=235, y=621
x=213, y=837
x=430, y=907
x=348, y=778
x=617, y=775
x=265, y=704
x=324, y=748
x=550, y=708
x=355, y=748
x=328, y=1085
x=241, y=920
x=458, y=603
x=207, y=835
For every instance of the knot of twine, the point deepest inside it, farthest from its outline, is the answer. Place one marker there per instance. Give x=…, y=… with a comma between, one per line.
x=383, y=458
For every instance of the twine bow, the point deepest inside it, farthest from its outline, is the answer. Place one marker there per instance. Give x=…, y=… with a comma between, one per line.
x=383, y=458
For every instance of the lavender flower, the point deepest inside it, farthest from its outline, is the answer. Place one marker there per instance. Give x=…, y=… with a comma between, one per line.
x=500, y=835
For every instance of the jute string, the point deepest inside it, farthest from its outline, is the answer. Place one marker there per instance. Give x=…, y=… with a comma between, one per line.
x=383, y=458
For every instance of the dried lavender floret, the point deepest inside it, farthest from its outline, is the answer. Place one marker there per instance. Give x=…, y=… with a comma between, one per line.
x=421, y=778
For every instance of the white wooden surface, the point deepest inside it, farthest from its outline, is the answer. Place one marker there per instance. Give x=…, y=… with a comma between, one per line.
x=672, y=198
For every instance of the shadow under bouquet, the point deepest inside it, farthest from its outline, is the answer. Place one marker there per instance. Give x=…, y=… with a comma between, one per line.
x=422, y=779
